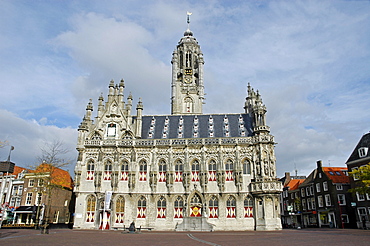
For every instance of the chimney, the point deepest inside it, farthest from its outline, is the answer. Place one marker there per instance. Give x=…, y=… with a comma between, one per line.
x=319, y=164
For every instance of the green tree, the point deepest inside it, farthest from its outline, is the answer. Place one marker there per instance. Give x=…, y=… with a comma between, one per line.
x=362, y=175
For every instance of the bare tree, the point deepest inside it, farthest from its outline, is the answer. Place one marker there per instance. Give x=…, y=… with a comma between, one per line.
x=50, y=160
x=52, y=154
x=3, y=143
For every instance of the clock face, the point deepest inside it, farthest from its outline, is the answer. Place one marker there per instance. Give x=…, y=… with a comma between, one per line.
x=187, y=80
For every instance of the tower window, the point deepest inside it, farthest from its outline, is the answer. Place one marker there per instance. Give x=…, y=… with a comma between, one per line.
x=111, y=130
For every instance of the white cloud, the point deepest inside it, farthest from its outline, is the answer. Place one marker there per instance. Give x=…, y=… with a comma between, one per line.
x=29, y=136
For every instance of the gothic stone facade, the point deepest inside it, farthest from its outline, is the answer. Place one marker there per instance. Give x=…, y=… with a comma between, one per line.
x=185, y=171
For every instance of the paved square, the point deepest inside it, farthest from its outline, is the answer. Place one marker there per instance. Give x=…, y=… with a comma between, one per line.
x=315, y=237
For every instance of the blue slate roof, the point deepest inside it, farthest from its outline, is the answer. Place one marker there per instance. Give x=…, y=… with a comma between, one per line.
x=196, y=126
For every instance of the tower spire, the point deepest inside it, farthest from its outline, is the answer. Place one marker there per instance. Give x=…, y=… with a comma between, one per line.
x=188, y=18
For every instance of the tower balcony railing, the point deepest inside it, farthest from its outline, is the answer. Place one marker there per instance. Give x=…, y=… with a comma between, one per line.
x=181, y=141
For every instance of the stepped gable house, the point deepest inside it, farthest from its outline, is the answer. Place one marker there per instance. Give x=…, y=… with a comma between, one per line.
x=184, y=171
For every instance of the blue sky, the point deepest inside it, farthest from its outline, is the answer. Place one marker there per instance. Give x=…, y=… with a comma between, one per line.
x=309, y=59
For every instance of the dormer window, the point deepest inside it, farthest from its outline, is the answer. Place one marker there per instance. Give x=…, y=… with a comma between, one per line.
x=362, y=152
x=111, y=130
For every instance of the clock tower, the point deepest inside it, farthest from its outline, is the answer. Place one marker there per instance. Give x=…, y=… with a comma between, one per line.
x=187, y=76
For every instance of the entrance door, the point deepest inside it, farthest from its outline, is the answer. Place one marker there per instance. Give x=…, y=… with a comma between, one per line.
x=104, y=220
x=332, y=220
x=196, y=206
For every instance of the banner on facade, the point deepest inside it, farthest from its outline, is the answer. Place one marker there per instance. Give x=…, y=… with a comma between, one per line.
x=108, y=196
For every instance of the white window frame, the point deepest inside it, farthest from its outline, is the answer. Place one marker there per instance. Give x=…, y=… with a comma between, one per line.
x=18, y=202
x=318, y=187
x=320, y=201
x=304, y=204
x=31, y=182
x=325, y=186
x=360, y=215
x=355, y=176
x=327, y=200
x=56, y=217
x=367, y=196
x=345, y=218
x=308, y=191
x=303, y=194
x=360, y=197
x=313, y=203
x=362, y=152
x=341, y=197
x=29, y=198
x=339, y=186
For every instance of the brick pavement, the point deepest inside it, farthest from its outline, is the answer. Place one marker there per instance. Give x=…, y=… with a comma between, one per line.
x=317, y=237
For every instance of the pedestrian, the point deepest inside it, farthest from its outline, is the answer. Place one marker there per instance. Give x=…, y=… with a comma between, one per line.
x=364, y=223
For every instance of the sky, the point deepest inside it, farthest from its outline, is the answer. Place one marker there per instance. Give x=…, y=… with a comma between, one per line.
x=310, y=61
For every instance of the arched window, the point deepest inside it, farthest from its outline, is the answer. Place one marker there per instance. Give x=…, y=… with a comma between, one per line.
x=231, y=207
x=179, y=206
x=248, y=207
x=107, y=171
x=161, y=208
x=90, y=208
x=213, y=207
x=229, y=168
x=90, y=170
x=188, y=59
x=111, y=130
x=120, y=210
x=188, y=104
x=212, y=170
x=141, y=208
x=246, y=167
x=142, y=170
x=195, y=167
x=181, y=59
x=178, y=171
x=124, y=171
x=162, y=167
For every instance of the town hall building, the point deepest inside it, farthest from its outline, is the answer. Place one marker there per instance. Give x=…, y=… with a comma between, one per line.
x=186, y=171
